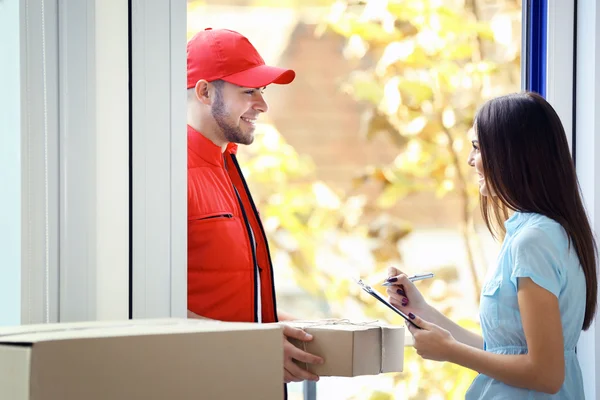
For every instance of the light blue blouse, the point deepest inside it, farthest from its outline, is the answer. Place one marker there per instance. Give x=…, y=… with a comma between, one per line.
x=535, y=247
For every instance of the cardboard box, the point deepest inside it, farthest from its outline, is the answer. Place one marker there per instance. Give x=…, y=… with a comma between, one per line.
x=142, y=359
x=352, y=349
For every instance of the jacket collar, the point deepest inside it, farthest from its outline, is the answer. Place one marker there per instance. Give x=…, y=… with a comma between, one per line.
x=207, y=150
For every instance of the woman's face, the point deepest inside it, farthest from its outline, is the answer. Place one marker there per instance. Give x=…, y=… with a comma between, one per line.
x=475, y=161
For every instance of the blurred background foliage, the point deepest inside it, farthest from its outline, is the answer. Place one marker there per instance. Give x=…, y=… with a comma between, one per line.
x=427, y=66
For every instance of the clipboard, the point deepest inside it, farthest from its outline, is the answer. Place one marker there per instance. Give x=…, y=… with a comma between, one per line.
x=382, y=299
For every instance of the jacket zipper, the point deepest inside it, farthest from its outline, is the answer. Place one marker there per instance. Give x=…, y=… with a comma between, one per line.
x=252, y=243
x=262, y=231
x=229, y=216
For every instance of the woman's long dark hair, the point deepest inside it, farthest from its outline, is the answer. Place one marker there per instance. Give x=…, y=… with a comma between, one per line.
x=528, y=167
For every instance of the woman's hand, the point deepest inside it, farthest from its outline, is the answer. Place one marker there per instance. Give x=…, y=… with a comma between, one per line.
x=404, y=295
x=431, y=341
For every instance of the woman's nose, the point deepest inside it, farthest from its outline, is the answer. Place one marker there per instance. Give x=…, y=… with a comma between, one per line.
x=471, y=160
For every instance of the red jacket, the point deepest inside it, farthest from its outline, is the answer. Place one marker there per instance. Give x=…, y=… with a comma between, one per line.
x=221, y=269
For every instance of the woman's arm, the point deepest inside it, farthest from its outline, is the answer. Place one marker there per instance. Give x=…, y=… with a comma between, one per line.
x=404, y=295
x=458, y=332
x=541, y=369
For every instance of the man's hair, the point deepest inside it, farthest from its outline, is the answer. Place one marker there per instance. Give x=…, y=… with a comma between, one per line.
x=218, y=84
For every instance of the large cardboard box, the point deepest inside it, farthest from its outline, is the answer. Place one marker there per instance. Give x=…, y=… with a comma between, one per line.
x=142, y=359
x=352, y=348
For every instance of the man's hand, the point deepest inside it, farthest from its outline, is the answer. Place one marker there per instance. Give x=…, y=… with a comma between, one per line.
x=292, y=372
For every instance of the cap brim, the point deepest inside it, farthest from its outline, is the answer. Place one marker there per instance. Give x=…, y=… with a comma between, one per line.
x=260, y=76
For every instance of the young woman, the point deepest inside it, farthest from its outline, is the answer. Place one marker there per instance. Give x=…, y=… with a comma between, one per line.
x=542, y=292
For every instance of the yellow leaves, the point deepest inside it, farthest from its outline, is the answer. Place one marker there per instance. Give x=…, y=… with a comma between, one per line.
x=356, y=47
x=501, y=29
x=448, y=118
x=446, y=187
x=325, y=197
x=482, y=67
x=362, y=85
x=415, y=127
x=394, y=52
x=415, y=91
x=392, y=99
x=458, y=51
x=377, y=395
x=372, y=32
x=375, y=123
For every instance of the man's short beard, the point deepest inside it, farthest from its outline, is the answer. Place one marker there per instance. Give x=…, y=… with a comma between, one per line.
x=231, y=133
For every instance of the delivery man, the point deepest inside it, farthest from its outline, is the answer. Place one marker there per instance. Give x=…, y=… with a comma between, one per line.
x=230, y=275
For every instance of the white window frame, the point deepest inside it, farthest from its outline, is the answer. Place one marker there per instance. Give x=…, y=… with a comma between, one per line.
x=39, y=166
x=78, y=258
x=94, y=158
x=567, y=85
x=158, y=34
x=559, y=61
x=587, y=147
x=10, y=161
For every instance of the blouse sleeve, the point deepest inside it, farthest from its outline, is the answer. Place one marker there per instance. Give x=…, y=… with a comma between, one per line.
x=537, y=258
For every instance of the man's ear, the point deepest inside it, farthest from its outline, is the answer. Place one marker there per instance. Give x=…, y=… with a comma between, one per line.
x=202, y=91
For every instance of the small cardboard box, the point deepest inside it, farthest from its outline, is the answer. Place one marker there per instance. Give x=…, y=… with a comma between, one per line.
x=352, y=349
x=142, y=359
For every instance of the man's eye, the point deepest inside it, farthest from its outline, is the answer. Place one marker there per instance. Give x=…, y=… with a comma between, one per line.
x=249, y=92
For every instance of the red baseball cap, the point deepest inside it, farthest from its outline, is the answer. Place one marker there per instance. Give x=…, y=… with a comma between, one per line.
x=214, y=54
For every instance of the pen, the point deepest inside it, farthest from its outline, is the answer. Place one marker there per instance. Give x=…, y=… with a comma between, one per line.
x=413, y=278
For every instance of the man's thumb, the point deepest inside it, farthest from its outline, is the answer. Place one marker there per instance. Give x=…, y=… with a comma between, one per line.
x=296, y=333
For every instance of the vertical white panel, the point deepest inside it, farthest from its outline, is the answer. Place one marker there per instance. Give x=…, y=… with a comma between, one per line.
x=10, y=164
x=159, y=158
x=178, y=152
x=39, y=163
x=77, y=160
x=587, y=149
x=94, y=162
x=112, y=158
x=559, y=63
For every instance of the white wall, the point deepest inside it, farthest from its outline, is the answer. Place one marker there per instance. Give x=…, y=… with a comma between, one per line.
x=10, y=164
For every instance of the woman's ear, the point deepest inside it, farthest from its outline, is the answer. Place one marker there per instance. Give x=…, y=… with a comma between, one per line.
x=202, y=92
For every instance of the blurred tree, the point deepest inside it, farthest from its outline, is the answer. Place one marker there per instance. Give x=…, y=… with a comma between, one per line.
x=430, y=64
x=427, y=76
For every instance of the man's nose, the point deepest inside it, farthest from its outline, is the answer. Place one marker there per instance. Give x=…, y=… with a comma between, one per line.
x=261, y=105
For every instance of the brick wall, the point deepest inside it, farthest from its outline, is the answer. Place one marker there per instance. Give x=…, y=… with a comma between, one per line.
x=319, y=120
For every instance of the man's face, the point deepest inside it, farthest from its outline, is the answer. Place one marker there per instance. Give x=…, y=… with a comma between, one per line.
x=235, y=110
